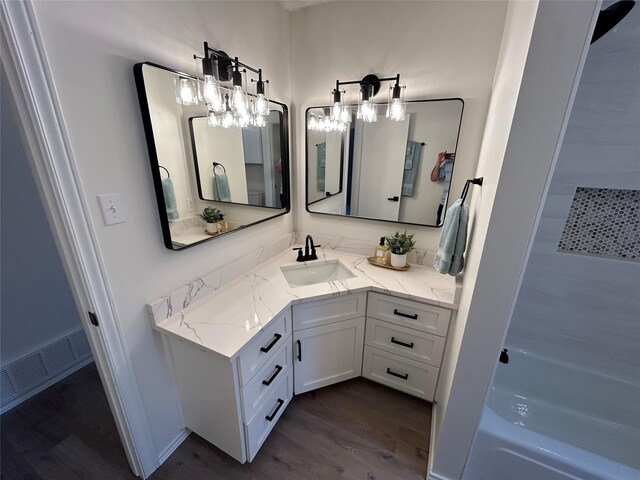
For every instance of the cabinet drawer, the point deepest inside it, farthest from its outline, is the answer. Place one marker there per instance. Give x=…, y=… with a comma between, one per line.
x=265, y=381
x=262, y=347
x=397, y=372
x=258, y=428
x=419, y=346
x=328, y=310
x=408, y=313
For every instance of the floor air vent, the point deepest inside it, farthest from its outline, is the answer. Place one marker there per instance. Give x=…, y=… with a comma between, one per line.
x=26, y=376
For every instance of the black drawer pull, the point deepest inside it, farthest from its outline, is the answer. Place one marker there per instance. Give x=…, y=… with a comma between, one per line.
x=413, y=316
x=299, y=350
x=276, y=337
x=275, y=412
x=273, y=377
x=404, y=377
x=398, y=342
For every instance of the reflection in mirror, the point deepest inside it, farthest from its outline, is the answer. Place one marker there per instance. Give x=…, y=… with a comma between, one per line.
x=239, y=165
x=251, y=171
x=325, y=164
x=397, y=171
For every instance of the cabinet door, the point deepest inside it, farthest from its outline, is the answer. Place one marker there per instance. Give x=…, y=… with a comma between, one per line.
x=328, y=354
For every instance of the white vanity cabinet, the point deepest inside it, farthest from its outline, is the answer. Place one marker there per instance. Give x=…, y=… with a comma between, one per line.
x=234, y=403
x=404, y=344
x=328, y=337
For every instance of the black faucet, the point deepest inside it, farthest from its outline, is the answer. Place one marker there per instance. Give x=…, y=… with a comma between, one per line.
x=309, y=251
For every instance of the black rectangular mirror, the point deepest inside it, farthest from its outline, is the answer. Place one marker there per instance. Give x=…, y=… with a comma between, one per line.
x=397, y=171
x=250, y=181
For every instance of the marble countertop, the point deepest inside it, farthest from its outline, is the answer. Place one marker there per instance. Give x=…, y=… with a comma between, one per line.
x=225, y=320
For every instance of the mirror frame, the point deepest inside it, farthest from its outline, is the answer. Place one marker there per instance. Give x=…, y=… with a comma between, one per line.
x=350, y=132
x=155, y=165
x=197, y=170
x=306, y=166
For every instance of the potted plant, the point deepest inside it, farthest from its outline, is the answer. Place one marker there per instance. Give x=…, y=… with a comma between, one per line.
x=211, y=215
x=400, y=244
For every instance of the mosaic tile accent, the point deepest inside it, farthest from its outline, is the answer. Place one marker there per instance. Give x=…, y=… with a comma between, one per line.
x=603, y=221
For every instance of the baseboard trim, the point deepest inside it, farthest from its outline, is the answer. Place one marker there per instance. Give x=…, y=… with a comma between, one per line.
x=435, y=476
x=432, y=436
x=173, y=446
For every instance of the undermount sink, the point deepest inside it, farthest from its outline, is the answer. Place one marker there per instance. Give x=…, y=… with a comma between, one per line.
x=321, y=272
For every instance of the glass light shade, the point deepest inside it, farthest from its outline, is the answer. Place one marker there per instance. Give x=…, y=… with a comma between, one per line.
x=336, y=111
x=239, y=100
x=396, y=108
x=186, y=91
x=243, y=120
x=259, y=121
x=345, y=115
x=313, y=124
x=213, y=94
x=367, y=111
x=261, y=105
x=227, y=119
x=213, y=120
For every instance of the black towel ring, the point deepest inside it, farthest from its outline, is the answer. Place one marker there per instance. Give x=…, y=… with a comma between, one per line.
x=216, y=164
x=168, y=174
x=465, y=190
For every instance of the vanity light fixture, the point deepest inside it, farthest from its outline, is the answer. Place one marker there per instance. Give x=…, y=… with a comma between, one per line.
x=329, y=124
x=340, y=114
x=229, y=105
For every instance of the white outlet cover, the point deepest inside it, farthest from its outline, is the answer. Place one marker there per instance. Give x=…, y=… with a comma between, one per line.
x=111, y=206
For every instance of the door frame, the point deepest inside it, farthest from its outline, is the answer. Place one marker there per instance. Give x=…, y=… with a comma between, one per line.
x=56, y=176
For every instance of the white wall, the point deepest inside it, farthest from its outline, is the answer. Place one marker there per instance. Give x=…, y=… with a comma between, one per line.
x=440, y=48
x=91, y=48
x=29, y=259
x=585, y=309
x=520, y=144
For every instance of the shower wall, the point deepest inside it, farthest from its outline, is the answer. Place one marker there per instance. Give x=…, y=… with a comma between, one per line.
x=580, y=297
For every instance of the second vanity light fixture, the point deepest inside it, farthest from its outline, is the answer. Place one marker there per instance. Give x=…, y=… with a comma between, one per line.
x=339, y=114
x=228, y=106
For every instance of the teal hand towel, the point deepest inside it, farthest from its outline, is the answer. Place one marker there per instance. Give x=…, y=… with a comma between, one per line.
x=170, y=199
x=453, y=240
x=221, y=186
x=411, y=166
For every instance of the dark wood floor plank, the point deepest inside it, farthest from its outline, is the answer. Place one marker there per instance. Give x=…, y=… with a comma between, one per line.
x=355, y=430
x=13, y=464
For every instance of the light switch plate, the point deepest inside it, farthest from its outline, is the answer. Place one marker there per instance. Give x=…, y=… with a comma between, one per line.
x=111, y=207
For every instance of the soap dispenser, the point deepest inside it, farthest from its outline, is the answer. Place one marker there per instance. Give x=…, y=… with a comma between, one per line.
x=381, y=252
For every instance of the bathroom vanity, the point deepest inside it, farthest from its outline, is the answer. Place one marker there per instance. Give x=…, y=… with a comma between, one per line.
x=241, y=352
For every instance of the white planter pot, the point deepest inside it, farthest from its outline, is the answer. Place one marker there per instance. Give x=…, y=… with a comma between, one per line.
x=398, y=261
x=212, y=228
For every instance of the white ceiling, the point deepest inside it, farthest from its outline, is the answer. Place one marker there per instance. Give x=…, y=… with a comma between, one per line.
x=292, y=5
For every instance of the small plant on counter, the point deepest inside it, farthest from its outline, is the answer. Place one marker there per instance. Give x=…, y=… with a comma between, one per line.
x=401, y=243
x=210, y=214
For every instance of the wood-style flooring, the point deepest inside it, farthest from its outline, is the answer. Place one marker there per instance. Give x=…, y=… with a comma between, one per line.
x=353, y=430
